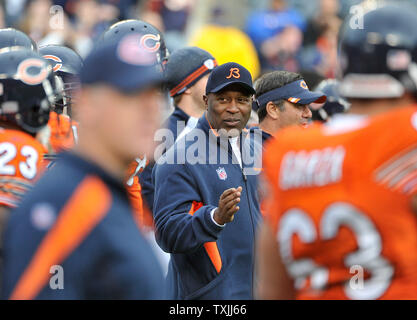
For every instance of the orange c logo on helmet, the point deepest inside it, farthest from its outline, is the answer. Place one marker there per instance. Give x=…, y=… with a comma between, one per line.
x=58, y=61
x=234, y=72
x=131, y=50
x=303, y=85
x=32, y=79
x=147, y=37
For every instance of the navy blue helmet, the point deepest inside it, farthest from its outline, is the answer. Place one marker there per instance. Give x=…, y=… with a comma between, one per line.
x=152, y=38
x=378, y=51
x=334, y=102
x=10, y=37
x=66, y=64
x=28, y=89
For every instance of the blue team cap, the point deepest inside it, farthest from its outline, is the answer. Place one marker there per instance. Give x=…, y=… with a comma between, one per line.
x=294, y=92
x=124, y=64
x=227, y=74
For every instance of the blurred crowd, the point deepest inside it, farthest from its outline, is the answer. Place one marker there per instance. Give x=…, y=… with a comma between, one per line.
x=264, y=35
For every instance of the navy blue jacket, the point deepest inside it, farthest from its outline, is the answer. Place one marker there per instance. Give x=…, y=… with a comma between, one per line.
x=171, y=123
x=265, y=135
x=207, y=261
x=145, y=177
x=78, y=217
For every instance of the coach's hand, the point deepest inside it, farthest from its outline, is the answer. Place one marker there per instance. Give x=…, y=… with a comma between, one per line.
x=227, y=205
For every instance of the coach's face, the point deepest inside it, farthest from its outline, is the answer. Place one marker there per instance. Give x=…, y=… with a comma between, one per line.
x=294, y=114
x=229, y=109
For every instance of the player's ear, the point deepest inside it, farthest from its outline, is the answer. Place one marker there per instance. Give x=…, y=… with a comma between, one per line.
x=205, y=98
x=272, y=110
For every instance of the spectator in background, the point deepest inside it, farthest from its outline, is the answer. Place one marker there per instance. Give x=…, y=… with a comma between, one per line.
x=12, y=10
x=277, y=34
x=227, y=43
x=82, y=22
x=320, y=39
x=148, y=11
x=118, y=9
x=327, y=10
x=170, y=16
x=44, y=25
x=35, y=21
x=90, y=20
x=327, y=48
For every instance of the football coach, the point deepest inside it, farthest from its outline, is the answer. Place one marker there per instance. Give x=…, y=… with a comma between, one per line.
x=206, y=206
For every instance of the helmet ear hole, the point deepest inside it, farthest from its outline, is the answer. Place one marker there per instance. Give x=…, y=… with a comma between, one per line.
x=34, y=118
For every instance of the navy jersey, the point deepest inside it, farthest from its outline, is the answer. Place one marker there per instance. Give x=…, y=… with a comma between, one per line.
x=78, y=221
x=145, y=177
x=265, y=135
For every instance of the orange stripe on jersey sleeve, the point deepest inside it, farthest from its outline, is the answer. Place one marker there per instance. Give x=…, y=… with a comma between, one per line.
x=211, y=247
x=406, y=180
x=399, y=173
x=389, y=169
x=400, y=170
x=83, y=211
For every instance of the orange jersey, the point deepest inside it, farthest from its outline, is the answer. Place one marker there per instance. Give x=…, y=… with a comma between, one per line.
x=339, y=204
x=61, y=132
x=21, y=158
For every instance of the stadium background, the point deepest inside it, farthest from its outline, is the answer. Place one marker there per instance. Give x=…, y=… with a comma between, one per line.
x=262, y=35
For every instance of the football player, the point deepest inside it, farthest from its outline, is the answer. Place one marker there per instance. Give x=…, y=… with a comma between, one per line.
x=66, y=64
x=28, y=90
x=341, y=220
x=334, y=104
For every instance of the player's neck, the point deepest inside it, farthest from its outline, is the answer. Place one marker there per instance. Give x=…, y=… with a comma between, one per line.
x=12, y=126
x=188, y=106
x=374, y=107
x=269, y=125
x=100, y=154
